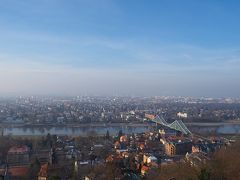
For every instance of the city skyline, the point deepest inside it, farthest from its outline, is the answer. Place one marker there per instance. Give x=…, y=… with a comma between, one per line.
x=187, y=48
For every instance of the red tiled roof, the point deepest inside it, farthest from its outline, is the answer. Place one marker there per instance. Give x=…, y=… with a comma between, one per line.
x=150, y=116
x=18, y=149
x=109, y=158
x=142, y=146
x=123, y=138
x=145, y=168
x=18, y=171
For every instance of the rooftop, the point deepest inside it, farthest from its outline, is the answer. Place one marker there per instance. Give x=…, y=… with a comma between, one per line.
x=18, y=171
x=18, y=150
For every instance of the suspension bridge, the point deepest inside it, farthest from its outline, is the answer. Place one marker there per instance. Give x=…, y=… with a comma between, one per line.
x=177, y=125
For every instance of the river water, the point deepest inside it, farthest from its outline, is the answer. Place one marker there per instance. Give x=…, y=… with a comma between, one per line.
x=74, y=131
x=218, y=129
x=113, y=130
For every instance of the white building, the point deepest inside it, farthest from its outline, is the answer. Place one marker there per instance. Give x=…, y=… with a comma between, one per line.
x=182, y=115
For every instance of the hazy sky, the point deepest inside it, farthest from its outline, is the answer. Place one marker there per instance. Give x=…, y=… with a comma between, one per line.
x=120, y=47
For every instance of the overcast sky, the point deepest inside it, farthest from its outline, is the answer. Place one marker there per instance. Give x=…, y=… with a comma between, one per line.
x=120, y=47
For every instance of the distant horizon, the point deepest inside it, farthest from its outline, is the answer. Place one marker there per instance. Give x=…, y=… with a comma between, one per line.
x=140, y=48
x=113, y=96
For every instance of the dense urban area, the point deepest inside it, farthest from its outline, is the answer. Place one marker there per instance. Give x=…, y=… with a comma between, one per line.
x=80, y=110
x=170, y=146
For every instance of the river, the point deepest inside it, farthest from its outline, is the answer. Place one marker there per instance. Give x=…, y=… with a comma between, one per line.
x=217, y=128
x=73, y=131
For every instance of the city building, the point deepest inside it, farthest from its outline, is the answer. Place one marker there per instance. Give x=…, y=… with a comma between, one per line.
x=178, y=147
x=18, y=155
x=182, y=115
x=43, y=173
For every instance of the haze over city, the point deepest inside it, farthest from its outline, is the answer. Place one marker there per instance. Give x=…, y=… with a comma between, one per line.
x=119, y=89
x=179, y=48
